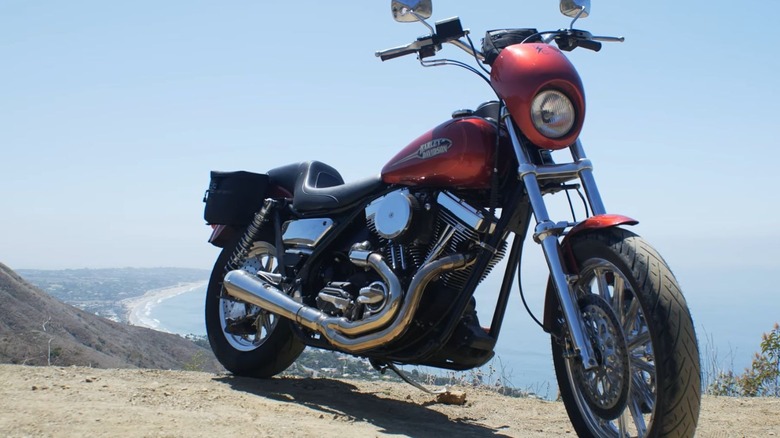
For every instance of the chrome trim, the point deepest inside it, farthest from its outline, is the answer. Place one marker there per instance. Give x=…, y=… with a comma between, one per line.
x=463, y=212
x=378, y=320
x=306, y=232
x=425, y=275
x=588, y=181
x=259, y=292
x=254, y=290
x=468, y=48
x=392, y=214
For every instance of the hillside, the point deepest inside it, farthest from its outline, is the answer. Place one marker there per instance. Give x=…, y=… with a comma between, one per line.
x=78, y=402
x=37, y=329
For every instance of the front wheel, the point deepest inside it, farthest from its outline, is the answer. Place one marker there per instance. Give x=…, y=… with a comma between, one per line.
x=647, y=382
x=247, y=340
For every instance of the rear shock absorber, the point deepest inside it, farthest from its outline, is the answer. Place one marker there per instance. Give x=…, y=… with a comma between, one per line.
x=249, y=237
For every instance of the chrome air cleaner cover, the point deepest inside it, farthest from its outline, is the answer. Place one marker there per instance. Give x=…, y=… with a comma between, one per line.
x=392, y=215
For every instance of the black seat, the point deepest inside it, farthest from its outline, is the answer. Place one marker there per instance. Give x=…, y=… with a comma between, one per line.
x=319, y=187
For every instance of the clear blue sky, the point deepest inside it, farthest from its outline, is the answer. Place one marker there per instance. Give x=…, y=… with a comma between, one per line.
x=112, y=114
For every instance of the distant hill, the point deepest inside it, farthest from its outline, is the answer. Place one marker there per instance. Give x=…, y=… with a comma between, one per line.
x=37, y=329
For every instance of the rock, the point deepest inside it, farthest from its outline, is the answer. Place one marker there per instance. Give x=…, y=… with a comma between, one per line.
x=452, y=398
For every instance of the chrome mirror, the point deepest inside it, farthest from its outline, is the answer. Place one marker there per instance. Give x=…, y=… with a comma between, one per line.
x=406, y=11
x=575, y=8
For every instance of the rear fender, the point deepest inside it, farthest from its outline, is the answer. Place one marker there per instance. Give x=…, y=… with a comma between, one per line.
x=590, y=224
x=221, y=235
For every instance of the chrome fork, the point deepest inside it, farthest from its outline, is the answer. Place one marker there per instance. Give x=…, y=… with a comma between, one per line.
x=547, y=232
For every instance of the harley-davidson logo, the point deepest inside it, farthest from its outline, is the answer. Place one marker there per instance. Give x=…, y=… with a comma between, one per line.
x=434, y=147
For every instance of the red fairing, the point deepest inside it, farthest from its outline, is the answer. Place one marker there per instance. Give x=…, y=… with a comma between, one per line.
x=521, y=71
x=457, y=153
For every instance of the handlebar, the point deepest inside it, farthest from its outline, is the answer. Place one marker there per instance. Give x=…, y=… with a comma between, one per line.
x=447, y=31
x=395, y=52
x=450, y=31
x=570, y=39
x=415, y=47
x=589, y=44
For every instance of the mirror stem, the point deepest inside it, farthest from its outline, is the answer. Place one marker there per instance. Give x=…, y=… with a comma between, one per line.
x=421, y=19
x=577, y=17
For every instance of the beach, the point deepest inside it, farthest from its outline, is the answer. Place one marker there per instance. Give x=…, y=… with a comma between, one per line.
x=139, y=309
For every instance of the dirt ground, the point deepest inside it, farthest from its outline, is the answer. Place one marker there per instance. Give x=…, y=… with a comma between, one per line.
x=52, y=401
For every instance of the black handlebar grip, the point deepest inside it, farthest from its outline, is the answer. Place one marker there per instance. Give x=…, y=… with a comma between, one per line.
x=589, y=44
x=397, y=54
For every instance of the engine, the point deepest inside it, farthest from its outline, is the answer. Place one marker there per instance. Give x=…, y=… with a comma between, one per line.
x=414, y=228
x=408, y=229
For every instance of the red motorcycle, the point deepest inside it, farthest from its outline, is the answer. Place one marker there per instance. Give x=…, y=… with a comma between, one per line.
x=385, y=268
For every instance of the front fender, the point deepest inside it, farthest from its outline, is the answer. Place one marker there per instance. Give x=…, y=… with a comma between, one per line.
x=597, y=222
x=592, y=223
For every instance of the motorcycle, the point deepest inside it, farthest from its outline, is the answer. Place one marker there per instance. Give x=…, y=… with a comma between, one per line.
x=385, y=268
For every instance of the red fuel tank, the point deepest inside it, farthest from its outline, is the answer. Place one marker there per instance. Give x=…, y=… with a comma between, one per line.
x=458, y=153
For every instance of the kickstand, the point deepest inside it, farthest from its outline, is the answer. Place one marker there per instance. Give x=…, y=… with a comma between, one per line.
x=382, y=368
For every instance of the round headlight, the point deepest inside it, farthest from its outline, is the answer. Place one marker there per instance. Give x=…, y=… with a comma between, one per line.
x=552, y=113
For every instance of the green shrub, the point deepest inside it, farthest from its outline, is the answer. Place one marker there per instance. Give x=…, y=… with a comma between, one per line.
x=762, y=379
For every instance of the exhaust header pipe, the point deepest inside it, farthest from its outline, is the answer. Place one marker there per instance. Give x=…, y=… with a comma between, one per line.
x=350, y=336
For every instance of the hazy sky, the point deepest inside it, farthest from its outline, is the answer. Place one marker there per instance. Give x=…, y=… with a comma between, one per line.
x=112, y=114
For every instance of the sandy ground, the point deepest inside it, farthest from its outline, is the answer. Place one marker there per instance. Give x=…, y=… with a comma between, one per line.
x=81, y=402
x=139, y=308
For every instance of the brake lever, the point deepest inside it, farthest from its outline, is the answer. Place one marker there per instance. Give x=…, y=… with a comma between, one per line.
x=608, y=39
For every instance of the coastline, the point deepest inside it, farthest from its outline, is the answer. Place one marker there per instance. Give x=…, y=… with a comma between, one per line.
x=139, y=308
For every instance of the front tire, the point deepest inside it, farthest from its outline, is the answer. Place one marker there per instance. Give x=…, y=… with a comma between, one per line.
x=247, y=340
x=647, y=382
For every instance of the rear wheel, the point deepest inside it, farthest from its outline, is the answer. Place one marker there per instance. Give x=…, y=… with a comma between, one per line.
x=647, y=382
x=247, y=340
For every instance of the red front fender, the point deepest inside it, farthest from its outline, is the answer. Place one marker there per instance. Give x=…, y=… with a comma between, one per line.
x=600, y=221
x=597, y=222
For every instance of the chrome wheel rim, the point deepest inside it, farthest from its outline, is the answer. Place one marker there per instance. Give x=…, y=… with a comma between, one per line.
x=617, y=398
x=261, y=258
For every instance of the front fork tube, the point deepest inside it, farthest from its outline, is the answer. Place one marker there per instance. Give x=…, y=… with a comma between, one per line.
x=547, y=233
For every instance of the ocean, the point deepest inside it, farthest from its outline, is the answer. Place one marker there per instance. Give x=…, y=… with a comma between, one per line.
x=182, y=314
x=729, y=320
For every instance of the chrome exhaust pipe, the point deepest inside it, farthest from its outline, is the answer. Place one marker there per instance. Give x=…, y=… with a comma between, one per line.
x=266, y=295
x=254, y=290
x=339, y=331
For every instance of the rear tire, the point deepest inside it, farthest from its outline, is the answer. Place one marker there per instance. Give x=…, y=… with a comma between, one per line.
x=267, y=345
x=648, y=381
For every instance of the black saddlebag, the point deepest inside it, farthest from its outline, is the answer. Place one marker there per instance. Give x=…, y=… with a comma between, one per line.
x=234, y=197
x=496, y=40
